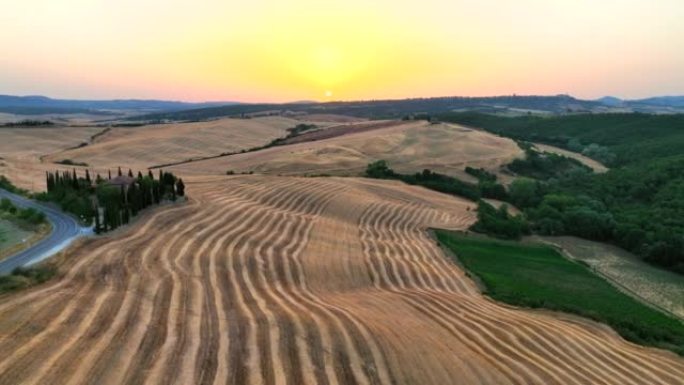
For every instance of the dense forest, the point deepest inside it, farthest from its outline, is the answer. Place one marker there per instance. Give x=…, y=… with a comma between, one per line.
x=637, y=205
x=112, y=201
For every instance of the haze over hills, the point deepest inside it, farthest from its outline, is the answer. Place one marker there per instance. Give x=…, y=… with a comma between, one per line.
x=375, y=109
x=37, y=105
x=151, y=110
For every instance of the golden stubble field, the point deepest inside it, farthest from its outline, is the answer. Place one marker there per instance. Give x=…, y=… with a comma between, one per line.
x=408, y=147
x=261, y=279
x=28, y=152
x=288, y=280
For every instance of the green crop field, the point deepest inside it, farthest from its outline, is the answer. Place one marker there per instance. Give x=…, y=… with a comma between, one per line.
x=538, y=276
x=11, y=235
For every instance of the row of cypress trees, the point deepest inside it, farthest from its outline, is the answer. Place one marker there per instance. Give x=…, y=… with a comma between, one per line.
x=111, y=202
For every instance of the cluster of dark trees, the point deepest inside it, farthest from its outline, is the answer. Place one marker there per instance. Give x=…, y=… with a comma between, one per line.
x=27, y=215
x=544, y=165
x=499, y=222
x=110, y=202
x=492, y=221
x=432, y=180
x=29, y=123
x=637, y=205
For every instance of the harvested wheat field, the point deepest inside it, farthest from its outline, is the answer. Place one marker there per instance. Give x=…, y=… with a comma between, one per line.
x=270, y=280
x=153, y=145
x=407, y=146
x=22, y=150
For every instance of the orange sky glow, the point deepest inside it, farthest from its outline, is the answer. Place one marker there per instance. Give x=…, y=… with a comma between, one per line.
x=281, y=51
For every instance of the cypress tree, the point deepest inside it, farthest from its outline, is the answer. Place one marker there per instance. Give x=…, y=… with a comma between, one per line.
x=140, y=175
x=149, y=173
x=120, y=174
x=87, y=177
x=155, y=192
x=110, y=174
x=122, y=195
x=126, y=215
x=98, y=224
x=180, y=187
x=74, y=181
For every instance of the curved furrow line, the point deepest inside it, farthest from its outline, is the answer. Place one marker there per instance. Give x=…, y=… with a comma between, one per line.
x=401, y=246
x=395, y=251
x=402, y=292
x=620, y=356
x=279, y=277
x=506, y=342
x=147, y=341
x=65, y=317
x=625, y=373
x=316, y=208
x=365, y=241
x=179, y=367
x=105, y=313
x=279, y=299
x=41, y=294
x=104, y=354
x=219, y=374
x=300, y=202
x=379, y=367
x=231, y=369
x=457, y=282
x=20, y=361
x=511, y=369
x=161, y=368
x=381, y=233
x=561, y=353
x=69, y=351
x=189, y=361
x=406, y=243
x=389, y=226
x=390, y=275
x=410, y=229
x=379, y=277
x=249, y=264
x=223, y=370
x=244, y=299
x=382, y=238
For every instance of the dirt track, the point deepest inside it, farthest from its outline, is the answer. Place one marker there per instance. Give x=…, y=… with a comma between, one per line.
x=267, y=280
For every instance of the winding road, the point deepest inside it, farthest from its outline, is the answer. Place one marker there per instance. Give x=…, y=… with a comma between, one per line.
x=64, y=230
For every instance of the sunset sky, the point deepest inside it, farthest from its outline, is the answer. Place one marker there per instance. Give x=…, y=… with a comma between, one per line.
x=258, y=50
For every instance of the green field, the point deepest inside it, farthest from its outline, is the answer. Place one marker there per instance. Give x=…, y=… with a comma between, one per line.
x=11, y=235
x=539, y=277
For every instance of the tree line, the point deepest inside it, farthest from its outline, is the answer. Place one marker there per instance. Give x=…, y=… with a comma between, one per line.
x=110, y=202
x=637, y=205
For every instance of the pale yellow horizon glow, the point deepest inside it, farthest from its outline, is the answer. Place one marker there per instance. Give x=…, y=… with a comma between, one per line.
x=340, y=49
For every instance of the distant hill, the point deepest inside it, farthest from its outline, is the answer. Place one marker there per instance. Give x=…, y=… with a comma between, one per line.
x=377, y=109
x=38, y=105
x=658, y=104
x=666, y=101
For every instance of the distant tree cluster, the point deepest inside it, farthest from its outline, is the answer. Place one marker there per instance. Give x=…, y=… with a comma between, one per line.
x=112, y=201
x=27, y=215
x=487, y=186
x=29, y=123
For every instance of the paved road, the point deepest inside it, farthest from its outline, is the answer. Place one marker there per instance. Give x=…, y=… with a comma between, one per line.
x=64, y=230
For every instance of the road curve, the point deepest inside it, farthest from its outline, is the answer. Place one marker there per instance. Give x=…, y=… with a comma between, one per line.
x=64, y=230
